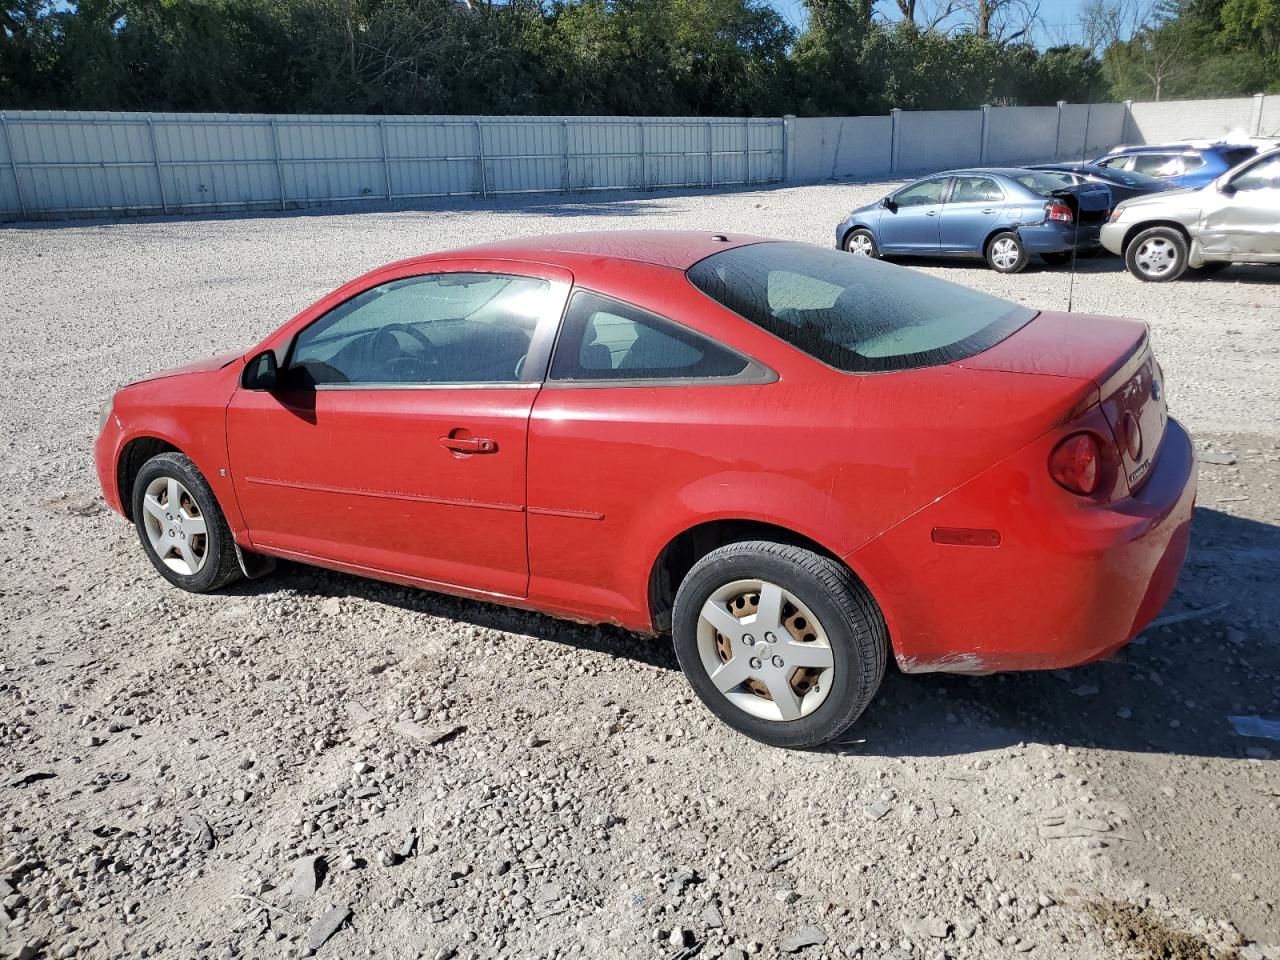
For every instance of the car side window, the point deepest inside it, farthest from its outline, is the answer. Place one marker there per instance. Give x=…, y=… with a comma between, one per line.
x=606, y=339
x=1261, y=176
x=976, y=190
x=438, y=328
x=923, y=193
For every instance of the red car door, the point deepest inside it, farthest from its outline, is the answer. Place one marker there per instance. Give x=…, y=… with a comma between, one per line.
x=396, y=440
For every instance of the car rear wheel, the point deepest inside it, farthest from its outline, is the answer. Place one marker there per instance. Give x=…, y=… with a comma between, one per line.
x=781, y=643
x=862, y=243
x=1056, y=259
x=1157, y=255
x=1006, y=254
x=181, y=527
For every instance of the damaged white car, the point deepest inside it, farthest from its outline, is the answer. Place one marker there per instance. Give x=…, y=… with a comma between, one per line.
x=1235, y=219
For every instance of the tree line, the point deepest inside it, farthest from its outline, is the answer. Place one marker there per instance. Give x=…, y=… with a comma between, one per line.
x=615, y=57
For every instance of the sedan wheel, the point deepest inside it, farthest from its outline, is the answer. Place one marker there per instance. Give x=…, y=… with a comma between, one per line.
x=1157, y=255
x=175, y=526
x=1006, y=254
x=181, y=526
x=764, y=650
x=861, y=243
x=781, y=643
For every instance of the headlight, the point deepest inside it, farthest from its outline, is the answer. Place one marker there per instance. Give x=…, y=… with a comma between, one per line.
x=104, y=414
x=1117, y=213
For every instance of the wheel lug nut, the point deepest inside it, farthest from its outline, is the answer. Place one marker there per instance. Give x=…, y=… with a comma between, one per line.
x=770, y=638
x=777, y=662
x=755, y=663
x=748, y=639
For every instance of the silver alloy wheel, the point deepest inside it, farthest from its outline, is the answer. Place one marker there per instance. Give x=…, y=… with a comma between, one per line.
x=1005, y=253
x=860, y=245
x=1156, y=256
x=175, y=526
x=765, y=651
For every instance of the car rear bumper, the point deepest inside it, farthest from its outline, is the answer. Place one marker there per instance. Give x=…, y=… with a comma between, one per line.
x=1070, y=581
x=1058, y=237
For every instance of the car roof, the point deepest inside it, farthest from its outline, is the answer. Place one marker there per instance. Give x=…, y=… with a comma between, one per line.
x=1182, y=148
x=985, y=171
x=680, y=249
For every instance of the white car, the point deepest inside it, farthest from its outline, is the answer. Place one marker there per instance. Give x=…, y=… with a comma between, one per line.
x=1235, y=219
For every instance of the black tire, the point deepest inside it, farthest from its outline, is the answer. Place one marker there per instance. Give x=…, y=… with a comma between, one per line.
x=1140, y=256
x=995, y=253
x=862, y=236
x=220, y=566
x=846, y=611
x=1056, y=259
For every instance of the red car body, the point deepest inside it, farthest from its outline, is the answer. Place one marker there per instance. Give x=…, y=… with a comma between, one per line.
x=931, y=484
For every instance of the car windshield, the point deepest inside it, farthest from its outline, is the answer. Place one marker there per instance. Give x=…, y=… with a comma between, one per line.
x=854, y=313
x=1041, y=181
x=1126, y=177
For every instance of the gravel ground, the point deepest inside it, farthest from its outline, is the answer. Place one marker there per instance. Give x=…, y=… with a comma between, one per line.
x=317, y=761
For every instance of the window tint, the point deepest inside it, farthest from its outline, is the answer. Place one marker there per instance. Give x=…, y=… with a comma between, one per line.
x=976, y=189
x=605, y=339
x=1115, y=163
x=1261, y=176
x=442, y=328
x=922, y=193
x=854, y=313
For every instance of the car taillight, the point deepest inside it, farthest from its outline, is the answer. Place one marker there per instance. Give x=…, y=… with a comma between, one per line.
x=1132, y=435
x=1076, y=464
x=1059, y=211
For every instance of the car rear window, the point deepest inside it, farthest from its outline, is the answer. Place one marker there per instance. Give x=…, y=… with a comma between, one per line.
x=1238, y=155
x=1043, y=182
x=854, y=313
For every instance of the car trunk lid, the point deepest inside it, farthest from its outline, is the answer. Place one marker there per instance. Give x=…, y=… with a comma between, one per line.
x=1116, y=355
x=1089, y=202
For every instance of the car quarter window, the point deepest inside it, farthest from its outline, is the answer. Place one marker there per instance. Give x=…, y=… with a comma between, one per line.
x=606, y=339
x=922, y=193
x=1261, y=176
x=975, y=190
x=437, y=328
x=1116, y=163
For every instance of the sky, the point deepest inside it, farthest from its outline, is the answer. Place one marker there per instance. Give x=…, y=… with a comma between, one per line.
x=1060, y=18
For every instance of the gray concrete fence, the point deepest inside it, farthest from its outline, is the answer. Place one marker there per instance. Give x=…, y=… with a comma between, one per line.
x=64, y=164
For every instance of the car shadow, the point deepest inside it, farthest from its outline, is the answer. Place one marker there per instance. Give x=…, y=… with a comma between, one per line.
x=1171, y=692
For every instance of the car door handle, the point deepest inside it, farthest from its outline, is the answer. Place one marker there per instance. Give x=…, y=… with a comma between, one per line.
x=469, y=445
x=989, y=210
x=932, y=213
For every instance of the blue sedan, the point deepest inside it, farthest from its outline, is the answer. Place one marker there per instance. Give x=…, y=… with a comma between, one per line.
x=1002, y=214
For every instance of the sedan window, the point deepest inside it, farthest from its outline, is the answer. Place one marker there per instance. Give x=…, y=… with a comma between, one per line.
x=855, y=313
x=923, y=193
x=976, y=190
x=606, y=339
x=1261, y=176
x=442, y=328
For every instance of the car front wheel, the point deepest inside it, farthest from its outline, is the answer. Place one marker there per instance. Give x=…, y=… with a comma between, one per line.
x=1006, y=254
x=1157, y=255
x=181, y=527
x=862, y=243
x=781, y=643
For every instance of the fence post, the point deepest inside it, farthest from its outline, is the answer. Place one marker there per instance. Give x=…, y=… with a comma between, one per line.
x=746, y=150
x=644, y=156
x=564, y=162
x=788, y=146
x=275, y=139
x=386, y=156
x=1127, y=133
x=484, y=175
x=1258, y=99
x=1057, y=134
x=982, y=133
x=895, y=121
x=711, y=163
x=13, y=164
x=155, y=157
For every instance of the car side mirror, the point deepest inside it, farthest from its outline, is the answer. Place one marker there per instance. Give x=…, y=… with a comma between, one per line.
x=1227, y=189
x=888, y=204
x=262, y=372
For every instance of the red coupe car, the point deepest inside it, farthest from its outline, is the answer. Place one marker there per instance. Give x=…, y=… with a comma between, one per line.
x=794, y=460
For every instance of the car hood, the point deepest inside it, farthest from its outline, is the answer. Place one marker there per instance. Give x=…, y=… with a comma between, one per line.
x=1178, y=198
x=216, y=362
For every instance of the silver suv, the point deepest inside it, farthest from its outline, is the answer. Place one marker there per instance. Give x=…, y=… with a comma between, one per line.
x=1235, y=219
